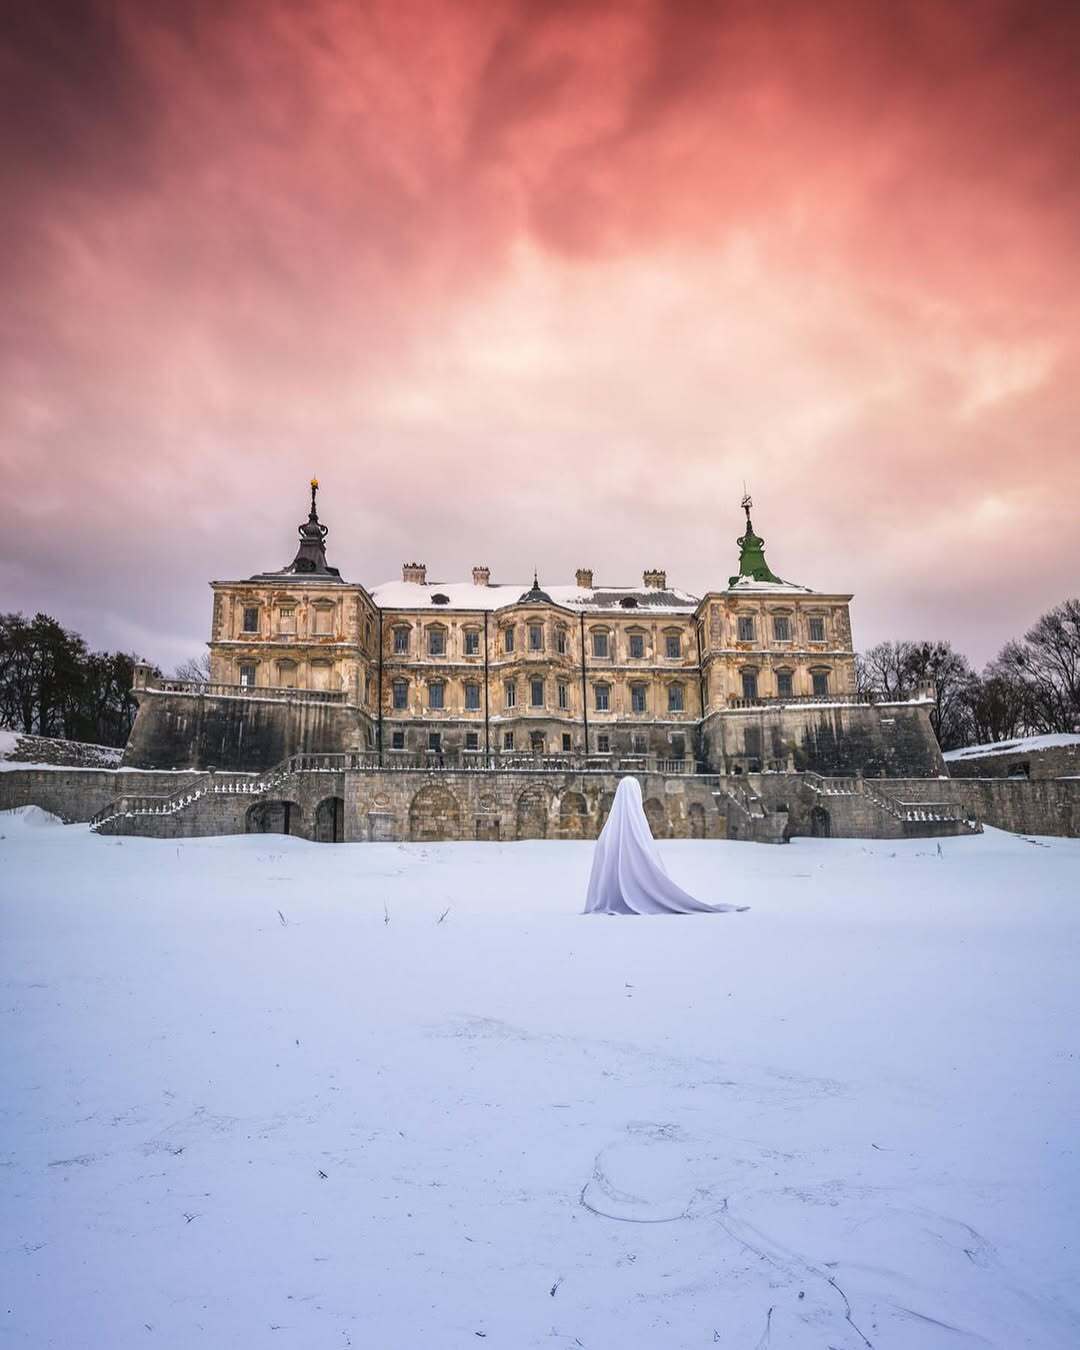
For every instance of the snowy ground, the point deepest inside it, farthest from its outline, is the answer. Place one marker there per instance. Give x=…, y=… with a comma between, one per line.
x=264, y=1093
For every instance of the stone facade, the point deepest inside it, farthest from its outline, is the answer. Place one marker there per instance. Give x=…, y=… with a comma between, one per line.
x=1034, y=757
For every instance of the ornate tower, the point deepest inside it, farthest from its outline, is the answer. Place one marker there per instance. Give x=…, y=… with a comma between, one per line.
x=311, y=555
x=752, y=562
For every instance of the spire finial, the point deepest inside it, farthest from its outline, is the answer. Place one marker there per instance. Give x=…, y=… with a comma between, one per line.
x=752, y=564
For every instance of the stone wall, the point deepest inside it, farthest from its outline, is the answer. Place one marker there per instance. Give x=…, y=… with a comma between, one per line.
x=77, y=794
x=198, y=731
x=1044, y=806
x=1033, y=761
x=883, y=740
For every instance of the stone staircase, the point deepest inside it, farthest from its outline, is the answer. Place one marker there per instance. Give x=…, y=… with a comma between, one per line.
x=210, y=783
x=916, y=818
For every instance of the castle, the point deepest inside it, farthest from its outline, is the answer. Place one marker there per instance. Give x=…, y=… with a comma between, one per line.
x=755, y=675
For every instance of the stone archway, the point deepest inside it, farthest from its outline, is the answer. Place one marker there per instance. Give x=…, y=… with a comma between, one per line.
x=696, y=815
x=273, y=818
x=434, y=814
x=603, y=810
x=573, y=816
x=330, y=821
x=657, y=818
x=820, y=823
x=532, y=813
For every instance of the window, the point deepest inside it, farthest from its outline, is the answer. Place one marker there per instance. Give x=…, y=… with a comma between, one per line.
x=641, y=745
x=821, y=682
x=472, y=642
x=287, y=620
x=536, y=693
x=251, y=619
x=603, y=744
x=637, y=645
x=472, y=697
x=436, y=642
x=785, y=685
x=749, y=685
x=567, y=744
x=324, y=620
x=781, y=628
x=560, y=641
x=436, y=694
x=472, y=740
x=672, y=646
x=536, y=637
x=674, y=698
x=536, y=742
x=637, y=698
x=397, y=740
x=564, y=696
x=603, y=697
x=600, y=645
x=247, y=674
x=678, y=747
x=817, y=628
x=508, y=740
x=508, y=639
x=509, y=694
x=434, y=741
x=746, y=628
x=401, y=694
x=287, y=674
x=401, y=641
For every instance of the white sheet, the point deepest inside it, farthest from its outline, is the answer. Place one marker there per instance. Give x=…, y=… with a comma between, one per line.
x=627, y=875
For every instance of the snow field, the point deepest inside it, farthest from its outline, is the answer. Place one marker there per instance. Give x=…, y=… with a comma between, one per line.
x=265, y=1093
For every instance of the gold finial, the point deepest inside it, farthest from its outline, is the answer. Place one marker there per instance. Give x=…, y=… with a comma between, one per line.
x=314, y=482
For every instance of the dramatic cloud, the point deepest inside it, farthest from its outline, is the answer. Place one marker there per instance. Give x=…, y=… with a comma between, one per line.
x=541, y=283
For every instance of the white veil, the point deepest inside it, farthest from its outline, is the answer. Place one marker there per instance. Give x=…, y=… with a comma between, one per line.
x=627, y=875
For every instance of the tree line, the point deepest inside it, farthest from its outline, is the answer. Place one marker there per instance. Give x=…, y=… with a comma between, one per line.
x=1032, y=686
x=52, y=684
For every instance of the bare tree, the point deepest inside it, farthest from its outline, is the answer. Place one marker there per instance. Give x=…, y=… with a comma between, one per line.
x=195, y=668
x=997, y=707
x=894, y=670
x=1047, y=661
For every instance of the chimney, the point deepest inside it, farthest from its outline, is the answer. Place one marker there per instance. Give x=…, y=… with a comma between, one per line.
x=414, y=572
x=583, y=576
x=481, y=576
x=655, y=580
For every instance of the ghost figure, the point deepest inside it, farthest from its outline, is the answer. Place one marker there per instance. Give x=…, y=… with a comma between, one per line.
x=627, y=875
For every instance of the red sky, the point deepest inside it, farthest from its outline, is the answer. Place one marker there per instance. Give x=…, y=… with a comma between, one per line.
x=541, y=283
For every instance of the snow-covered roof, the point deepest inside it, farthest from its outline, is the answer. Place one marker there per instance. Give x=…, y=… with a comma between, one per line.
x=1020, y=746
x=788, y=587
x=465, y=595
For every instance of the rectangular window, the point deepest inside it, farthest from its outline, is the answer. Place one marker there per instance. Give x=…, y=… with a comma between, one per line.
x=781, y=628
x=817, y=628
x=472, y=697
x=641, y=745
x=560, y=641
x=324, y=621
x=821, y=682
x=603, y=697
x=536, y=637
x=603, y=744
x=472, y=642
x=508, y=639
x=510, y=694
x=784, y=684
x=746, y=628
x=675, y=698
x=436, y=694
x=508, y=740
x=251, y=619
x=472, y=740
x=434, y=741
x=678, y=747
x=564, y=696
x=287, y=621
x=401, y=694
x=567, y=744
x=600, y=645
x=397, y=740
x=749, y=685
x=637, y=698
x=436, y=642
x=536, y=693
x=401, y=641
x=673, y=645
x=637, y=646
x=247, y=675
